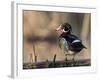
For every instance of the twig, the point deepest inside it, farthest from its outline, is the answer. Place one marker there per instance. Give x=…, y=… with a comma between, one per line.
x=54, y=59
x=31, y=57
x=47, y=63
x=35, y=57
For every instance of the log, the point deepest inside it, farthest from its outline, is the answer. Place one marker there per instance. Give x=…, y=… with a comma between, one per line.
x=57, y=64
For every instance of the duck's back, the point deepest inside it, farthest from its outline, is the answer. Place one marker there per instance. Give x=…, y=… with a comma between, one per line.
x=70, y=38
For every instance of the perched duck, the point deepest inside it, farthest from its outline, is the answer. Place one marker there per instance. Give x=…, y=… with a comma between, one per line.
x=69, y=42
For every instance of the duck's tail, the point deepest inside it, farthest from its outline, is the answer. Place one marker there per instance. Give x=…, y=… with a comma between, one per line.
x=84, y=47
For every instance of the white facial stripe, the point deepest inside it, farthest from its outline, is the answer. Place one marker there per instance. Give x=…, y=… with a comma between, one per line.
x=65, y=31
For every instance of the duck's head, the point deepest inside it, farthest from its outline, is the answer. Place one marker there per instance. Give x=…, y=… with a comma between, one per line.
x=64, y=28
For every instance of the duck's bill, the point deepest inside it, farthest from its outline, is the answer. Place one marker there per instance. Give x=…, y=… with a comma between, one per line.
x=59, y=28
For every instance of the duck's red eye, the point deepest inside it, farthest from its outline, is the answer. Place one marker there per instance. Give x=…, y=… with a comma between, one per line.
x=66, y=28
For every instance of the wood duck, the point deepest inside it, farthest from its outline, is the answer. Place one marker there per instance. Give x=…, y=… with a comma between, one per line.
x=69, y=42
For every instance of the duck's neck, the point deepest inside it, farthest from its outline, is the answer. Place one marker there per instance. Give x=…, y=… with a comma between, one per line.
x=64, y=34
